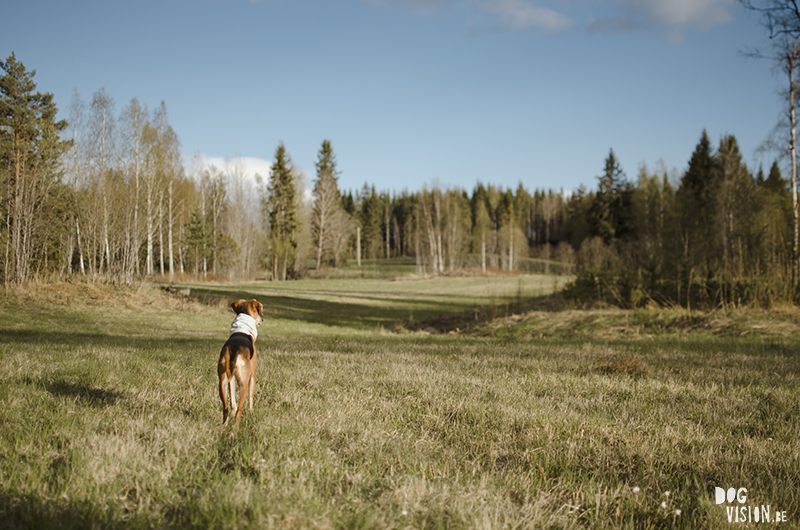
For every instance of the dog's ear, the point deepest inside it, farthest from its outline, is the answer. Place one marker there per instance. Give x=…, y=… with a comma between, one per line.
x=237, y=306
x=256, y=306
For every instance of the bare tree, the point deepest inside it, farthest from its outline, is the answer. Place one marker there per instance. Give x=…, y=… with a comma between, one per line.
x=101, y=139
x=781, y=18
x=77, y=165
x=132, y=162
x=329, y=221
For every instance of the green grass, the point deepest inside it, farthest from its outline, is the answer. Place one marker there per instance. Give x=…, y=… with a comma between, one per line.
x=349, y=305
x=110, y=417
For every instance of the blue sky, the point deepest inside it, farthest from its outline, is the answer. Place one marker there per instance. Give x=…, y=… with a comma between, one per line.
x=418, y=91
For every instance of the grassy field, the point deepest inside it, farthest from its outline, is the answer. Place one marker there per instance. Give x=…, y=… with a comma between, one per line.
x=365, y=418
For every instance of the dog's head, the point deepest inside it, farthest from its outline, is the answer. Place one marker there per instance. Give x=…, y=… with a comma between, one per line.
x=254, y=308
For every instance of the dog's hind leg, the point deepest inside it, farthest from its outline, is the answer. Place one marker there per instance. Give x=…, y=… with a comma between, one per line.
x=225, y=411
x=243, y=384
x=232, y=392
x=252, y=388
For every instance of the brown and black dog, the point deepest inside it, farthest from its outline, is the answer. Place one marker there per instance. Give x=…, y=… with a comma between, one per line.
x=237, y=360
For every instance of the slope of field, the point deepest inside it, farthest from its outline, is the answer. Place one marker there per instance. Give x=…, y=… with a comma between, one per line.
x=593, y=419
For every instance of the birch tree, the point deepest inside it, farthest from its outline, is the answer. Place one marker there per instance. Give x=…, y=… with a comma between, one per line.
x=101, y=141
x=328, y=218
x=133, y=120
x=781, y=18
x=76, y=164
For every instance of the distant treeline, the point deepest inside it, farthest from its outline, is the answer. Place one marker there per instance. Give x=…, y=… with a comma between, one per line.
x=104, y=195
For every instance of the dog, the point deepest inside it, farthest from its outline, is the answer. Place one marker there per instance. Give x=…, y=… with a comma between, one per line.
x=237, y=360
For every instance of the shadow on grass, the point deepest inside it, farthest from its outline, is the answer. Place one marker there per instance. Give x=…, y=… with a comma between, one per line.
x=92, y=396
x=28, y=510
x=339, y=314
x=68, y=339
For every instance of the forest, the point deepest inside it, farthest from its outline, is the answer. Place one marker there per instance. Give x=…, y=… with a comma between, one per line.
x=105, y=196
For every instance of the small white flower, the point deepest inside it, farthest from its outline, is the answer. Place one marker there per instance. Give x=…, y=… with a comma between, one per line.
x=636, y=489
x=664, y=505
x=404, y=512
x=678, y=512
x=666, y=493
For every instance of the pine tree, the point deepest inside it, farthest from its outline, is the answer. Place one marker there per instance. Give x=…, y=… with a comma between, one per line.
x=774, y=223
x=371, y=214
x=281, y=209
x=30, y=148
x=605, y=208
x=198, y=238
x=734, y=207
x=696, y=197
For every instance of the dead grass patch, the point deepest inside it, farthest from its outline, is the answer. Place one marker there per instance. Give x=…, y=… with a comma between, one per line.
x=138, y=296
x=621, y=365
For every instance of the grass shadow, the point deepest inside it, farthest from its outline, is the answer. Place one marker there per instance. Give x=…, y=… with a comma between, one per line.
x=85, y=393
x=63, y=338
x=28, y=510
x=334, y=313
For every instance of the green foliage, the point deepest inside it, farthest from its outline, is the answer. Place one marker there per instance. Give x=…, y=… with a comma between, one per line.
x=198, y=238
x=30, y=148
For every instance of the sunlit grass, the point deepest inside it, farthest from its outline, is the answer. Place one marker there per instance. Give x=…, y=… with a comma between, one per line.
x=111, y=419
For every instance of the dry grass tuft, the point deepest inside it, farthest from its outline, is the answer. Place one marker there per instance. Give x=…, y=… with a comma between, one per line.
x=138, y=296
x=621, y=365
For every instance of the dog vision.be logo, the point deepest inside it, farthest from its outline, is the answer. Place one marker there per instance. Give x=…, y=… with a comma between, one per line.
x=739, y=512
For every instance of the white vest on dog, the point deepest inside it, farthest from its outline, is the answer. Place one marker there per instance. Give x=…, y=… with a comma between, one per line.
x=244, y=323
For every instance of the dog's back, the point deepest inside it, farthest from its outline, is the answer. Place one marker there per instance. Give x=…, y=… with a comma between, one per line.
x=238, y=344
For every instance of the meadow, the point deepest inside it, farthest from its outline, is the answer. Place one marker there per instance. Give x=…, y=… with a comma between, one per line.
x=473, y=402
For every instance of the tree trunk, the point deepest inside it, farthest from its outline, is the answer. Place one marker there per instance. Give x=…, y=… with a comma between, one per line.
x=171, y=256
x=80, y=246
x=483, y=252
x=161, y=233
x=358, y=246
x=793, y=147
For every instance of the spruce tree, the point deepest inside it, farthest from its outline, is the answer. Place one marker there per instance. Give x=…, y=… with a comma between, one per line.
x=696, y=197
x=282, y=214
x=606, y=205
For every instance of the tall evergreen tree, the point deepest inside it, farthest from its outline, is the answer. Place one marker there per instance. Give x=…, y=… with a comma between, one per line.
x=734, y=207
x=198, y=239
x=30, y=148
x=605, y=208
x=697, y=200
x=281, y=209
x=371, y=215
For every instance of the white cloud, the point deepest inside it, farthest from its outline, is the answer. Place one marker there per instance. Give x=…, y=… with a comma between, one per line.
x=676, y=16
x=503, y=15
x=246, y=166
x=605, y=16
x=522, y=15
x=703, y=14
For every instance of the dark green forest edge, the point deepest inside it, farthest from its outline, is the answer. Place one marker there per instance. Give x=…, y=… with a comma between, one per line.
x=104, y=196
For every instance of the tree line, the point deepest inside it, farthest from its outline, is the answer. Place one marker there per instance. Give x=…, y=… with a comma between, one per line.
x=104, y=195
